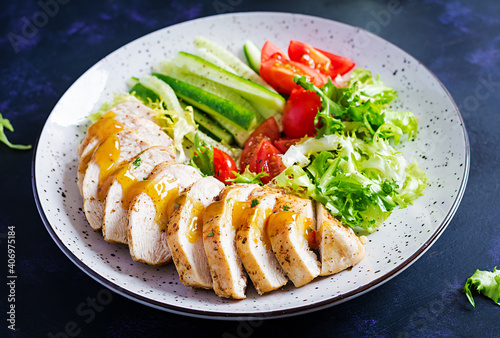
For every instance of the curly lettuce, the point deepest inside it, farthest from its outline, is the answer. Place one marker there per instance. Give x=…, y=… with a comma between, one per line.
x=486, y=283
x=360, y=182
x=362, y=107
x=4, y=123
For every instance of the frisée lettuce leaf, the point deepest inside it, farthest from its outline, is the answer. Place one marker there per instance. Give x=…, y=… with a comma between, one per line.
x=360, y=182
x=5, y=123
x=362, y=106
x=486, y=283
x=203, y=157
x=248, y=177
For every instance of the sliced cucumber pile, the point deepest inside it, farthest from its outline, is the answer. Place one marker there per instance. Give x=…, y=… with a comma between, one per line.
x=228, y=97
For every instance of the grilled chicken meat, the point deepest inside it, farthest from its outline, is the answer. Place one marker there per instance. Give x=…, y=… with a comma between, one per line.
x=121, y=187
x=132, y=187
x=124, y=116
x=253, y=243
x=288, y=228
x=339, y=247
x=148, y=213
x=185, y=233
x=220, y=221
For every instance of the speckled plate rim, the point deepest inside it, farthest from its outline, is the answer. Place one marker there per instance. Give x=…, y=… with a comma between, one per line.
x=266, y=314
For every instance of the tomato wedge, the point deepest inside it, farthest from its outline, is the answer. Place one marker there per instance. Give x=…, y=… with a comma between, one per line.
x=270, y=51
x=268, y=129
x=308, y=55
x=267, y=160
x=325, y=62
x=277, y=70
x=223, y=165
x=299, y=113
x=340, y=65
x=283, y=144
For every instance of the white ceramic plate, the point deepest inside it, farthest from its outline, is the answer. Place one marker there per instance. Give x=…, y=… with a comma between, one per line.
x=441, y=149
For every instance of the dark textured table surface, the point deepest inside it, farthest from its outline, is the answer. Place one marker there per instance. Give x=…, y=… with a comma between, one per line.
x=458, y=40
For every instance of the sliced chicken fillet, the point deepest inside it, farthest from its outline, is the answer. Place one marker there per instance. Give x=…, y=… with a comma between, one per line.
x=339, y=247
x=149, y=211
x=109, y=124
x=120, y=190
x=253, y=243
x=111, y=153
x=108, y=156
x=220, y=221
x=288, y=228
x=185, y=233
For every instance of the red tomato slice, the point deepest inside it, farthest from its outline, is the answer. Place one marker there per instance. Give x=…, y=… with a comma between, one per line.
x=283, y=144
x=279, y=74
x=340, y=65
x=308, y=55
x=267, y=160
x=268, y=129
x=223, y=165
x=270, y=50
x=299, y=113
x=325, y=62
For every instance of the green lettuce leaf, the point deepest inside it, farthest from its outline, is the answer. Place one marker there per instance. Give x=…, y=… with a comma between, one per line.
x=486, y=283
x=326, y=117
x=4, y=123
x=203, y=157
x=248, y=177
x=361, y=106
x=370, y=88
x=359, y=182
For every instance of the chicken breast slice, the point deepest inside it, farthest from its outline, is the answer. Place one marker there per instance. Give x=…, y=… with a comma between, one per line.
x=120, y=190
x=108, y=156
x=185, y=233
x=220, y=221
x=112, y=152
x=110, y=124
x=254, y=247
x=149, y=211
x=339, y=247
x=288, y=228
x=105, y=126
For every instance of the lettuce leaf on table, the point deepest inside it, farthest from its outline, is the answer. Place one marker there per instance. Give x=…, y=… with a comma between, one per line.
x=4, y=123
x=486, y=283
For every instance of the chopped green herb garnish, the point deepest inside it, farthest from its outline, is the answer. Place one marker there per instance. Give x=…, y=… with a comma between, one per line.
x=144, y=178
x=255, y=202
x=137, y=162
x=211, y=234
x=286, y=208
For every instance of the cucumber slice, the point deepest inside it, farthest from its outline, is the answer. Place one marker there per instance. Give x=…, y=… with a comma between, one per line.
x=144, y=94
x=213, y=104
x=252, y=53
x=238, y=121
x=251, y=91
x=211, y=57
x=210, y=127
x=163, y=90
x=231, y=60
x=215, y=88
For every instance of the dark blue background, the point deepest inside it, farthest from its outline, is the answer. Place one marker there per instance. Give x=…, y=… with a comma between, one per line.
x=458, y=40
